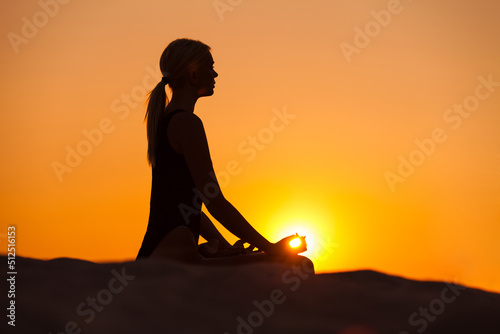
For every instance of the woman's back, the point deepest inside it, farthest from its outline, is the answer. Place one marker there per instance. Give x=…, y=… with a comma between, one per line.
x=173, y=193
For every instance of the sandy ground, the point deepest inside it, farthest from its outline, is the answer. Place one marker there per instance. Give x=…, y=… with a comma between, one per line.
x=74, y=296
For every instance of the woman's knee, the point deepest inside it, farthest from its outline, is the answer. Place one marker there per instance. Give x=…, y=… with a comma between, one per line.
x=306, y=264
x=179, y=245
x=300, y=261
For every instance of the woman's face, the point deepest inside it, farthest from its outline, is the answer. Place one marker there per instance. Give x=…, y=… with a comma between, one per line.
x=206, y=76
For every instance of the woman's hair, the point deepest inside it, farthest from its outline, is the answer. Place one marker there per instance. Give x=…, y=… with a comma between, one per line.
x=179, y=57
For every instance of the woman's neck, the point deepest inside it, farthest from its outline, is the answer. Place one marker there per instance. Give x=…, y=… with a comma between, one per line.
x=182, y=99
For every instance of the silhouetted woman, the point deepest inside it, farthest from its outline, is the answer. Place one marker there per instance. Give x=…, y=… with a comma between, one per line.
x=183, y=174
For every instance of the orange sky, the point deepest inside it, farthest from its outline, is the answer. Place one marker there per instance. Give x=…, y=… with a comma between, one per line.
x=361, y=84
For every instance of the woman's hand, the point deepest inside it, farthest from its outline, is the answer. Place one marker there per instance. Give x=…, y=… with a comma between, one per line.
x=209, y=248
x=283, y=246
x=212, y=248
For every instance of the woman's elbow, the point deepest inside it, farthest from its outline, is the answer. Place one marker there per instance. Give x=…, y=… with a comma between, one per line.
x=216, y=204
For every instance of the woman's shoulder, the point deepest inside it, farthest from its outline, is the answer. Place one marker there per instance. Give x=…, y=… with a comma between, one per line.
x=185, y=118
x=186, y=125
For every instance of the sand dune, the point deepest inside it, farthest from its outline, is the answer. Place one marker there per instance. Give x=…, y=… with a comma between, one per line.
x=74, y=296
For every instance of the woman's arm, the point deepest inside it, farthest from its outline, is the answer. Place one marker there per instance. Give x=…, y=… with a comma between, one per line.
x=210, y=232
x=190, y=135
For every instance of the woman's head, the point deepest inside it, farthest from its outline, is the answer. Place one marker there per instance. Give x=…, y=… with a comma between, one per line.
x=182, y=58
x=185, y=64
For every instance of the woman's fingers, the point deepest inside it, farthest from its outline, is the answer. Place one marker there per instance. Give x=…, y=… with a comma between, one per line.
x=284, y=246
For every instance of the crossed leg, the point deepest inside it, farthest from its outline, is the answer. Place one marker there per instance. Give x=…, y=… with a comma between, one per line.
x=180, y=245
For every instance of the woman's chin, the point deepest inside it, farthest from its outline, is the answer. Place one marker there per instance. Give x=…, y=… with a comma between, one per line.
x=206, y=92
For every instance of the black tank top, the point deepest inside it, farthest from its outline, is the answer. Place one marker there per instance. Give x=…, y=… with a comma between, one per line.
x=173, y=197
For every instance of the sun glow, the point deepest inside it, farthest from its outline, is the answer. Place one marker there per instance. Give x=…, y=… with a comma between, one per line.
x=302, y=230
x=294, y=243
x=312, y=219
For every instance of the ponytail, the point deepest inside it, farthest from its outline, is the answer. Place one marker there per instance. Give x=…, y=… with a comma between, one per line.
x=157, y=101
